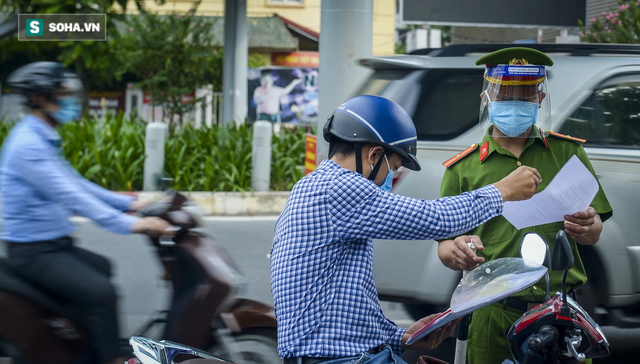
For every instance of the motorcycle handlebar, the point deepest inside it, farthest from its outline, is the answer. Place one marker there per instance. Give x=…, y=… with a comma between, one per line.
x=546, y=336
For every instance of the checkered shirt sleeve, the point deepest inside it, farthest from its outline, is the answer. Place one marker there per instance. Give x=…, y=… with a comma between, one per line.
x=322, y=257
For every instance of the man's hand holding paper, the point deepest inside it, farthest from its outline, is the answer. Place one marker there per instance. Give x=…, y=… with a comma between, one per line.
x=567, y=197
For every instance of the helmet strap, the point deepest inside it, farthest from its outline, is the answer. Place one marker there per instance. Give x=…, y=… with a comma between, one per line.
x=358, y=147
x=359, y=164
x=376, y=168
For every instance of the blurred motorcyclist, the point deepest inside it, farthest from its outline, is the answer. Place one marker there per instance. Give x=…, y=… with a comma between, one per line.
x=40, y=191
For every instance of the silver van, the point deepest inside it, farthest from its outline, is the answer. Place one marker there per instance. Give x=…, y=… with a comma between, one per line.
x=595, y=95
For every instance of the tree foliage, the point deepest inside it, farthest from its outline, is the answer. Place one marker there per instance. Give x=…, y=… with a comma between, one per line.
x=620, y=25
x=256, y=60
x=172, y=54
x=86, y=57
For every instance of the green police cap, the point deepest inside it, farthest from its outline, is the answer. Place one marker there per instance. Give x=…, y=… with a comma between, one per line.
x=515, y=56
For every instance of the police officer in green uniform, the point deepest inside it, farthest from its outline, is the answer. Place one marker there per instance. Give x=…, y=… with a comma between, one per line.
x=515, y=113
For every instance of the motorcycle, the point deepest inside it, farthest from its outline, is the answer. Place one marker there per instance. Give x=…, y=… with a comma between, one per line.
x=204, y=312
x=558, y=331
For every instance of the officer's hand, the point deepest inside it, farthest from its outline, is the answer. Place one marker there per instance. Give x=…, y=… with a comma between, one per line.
x=152, y=226
x=520, y=184
x=580, y=223
x=434, y=339
x=464, y=258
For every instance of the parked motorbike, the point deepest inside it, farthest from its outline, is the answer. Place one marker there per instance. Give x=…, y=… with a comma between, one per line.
x=557, y=331
x=204, y=313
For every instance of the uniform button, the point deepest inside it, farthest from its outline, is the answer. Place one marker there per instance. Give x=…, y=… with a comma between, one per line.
x=535, y=288
x=519, y=164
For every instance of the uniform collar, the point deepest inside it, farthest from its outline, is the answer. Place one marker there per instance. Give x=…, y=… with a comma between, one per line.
x=489, y=145
x=43, y=129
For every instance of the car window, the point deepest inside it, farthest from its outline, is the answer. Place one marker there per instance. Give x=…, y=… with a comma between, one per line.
x=610, y=116
x=449, y=103
x=380, y=81
x=443, y=103
x=621, y=113
x=582, y=123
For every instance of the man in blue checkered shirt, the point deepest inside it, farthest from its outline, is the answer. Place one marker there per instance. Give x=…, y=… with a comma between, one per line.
x=322, y=256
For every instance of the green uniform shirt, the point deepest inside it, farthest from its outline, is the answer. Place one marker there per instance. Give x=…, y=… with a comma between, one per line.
x=499, y=237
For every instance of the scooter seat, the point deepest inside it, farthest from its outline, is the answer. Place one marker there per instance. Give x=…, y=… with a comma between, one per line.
x=10, y=282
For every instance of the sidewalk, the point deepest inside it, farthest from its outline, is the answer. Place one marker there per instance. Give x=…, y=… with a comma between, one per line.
x=230, y=203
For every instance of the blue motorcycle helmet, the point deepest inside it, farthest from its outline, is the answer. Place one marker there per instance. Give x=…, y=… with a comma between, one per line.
x=369, y=119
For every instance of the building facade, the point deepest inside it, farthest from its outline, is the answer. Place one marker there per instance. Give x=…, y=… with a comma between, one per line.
x=305, y=14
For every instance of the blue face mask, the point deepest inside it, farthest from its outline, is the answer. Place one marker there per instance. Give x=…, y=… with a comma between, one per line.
x=388, y=182
x=513, y=117
x=70, y=109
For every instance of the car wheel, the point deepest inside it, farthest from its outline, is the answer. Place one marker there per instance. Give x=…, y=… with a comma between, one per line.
x=420, y=310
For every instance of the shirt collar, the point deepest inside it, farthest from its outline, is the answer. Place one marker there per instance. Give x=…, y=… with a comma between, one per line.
x=44, y=130
x=493, y=146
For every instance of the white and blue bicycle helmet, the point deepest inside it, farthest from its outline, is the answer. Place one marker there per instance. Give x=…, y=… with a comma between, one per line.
x=373, y=119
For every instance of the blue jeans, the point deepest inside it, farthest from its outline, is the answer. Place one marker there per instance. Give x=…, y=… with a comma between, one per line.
x=386, y=356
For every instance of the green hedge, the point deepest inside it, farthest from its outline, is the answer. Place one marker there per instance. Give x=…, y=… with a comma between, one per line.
x=217, y=158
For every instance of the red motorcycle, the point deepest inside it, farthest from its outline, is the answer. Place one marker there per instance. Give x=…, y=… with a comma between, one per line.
x=557, y=331
x=205, y=312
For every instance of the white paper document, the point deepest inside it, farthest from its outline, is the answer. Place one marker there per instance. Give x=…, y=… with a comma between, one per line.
x=571, y=190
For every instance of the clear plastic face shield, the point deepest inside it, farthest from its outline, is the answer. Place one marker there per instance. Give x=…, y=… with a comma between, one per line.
x=514, y=98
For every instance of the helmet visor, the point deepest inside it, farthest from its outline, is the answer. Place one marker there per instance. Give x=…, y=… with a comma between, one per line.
x=514, y=98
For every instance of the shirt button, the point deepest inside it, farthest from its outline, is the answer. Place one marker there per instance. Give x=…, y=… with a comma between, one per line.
x=519, y=164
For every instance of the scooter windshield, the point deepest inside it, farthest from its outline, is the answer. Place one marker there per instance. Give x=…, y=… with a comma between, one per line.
x=494, y=281
x=488, y=283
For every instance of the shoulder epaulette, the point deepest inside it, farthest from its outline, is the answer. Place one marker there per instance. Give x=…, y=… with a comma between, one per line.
x=460, y=155
x=567, y=137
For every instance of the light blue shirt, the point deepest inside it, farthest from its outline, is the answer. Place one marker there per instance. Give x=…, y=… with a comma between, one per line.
x=40, y=190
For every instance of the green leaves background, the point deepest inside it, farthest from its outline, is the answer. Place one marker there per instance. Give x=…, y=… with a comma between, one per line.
x=218, y=158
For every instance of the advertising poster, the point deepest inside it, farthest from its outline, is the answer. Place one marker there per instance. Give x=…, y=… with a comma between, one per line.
x=283, y=95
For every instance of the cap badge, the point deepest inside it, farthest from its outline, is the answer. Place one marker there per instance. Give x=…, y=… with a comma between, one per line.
x=518, y=62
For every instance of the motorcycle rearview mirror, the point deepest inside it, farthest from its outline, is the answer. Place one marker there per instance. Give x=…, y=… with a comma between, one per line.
x=534, y=248
x=562, y=260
